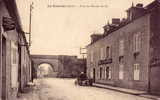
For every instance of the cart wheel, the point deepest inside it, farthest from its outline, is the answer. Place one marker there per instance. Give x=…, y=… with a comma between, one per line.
x=90, y=82
x=80, y=83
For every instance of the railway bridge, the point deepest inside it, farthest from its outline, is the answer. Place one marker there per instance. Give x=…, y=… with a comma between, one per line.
x=52, y=60
x=62, y=65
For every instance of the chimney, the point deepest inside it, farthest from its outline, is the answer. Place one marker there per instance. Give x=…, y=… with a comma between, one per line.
x=135, y=11
x=95, y=37
x=115, y=21
x=123, y=20
x=106, y=28
x=139, y=5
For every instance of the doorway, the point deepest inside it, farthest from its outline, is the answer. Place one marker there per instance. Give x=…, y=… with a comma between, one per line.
x=94, y=74
x=3, y=68
x=19, y=69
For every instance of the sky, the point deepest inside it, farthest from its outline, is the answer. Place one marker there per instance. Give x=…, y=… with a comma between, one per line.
x=63, y=30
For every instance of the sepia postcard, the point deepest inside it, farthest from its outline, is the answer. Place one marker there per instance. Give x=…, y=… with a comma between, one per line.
x=79, y=49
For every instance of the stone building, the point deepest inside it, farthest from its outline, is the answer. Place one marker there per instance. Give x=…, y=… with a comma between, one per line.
x=15, y=64
x=70, y=66
x=128, y=53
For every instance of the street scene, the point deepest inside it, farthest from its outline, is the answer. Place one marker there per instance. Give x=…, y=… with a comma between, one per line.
x=79, y=50
x=55, y=89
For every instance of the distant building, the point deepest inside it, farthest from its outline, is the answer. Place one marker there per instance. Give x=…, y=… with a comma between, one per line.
x=128, y=53
x=71, y=66
x=15, y=63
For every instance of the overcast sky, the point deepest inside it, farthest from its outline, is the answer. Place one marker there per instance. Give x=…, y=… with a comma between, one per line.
x=63, y=30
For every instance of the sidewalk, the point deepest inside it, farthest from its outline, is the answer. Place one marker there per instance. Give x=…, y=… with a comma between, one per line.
x=128, y=91
x=30, y=93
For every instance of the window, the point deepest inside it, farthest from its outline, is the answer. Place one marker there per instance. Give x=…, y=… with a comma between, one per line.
x=91, y=56
x=100, y=72
x=108, y=52
x=101, y=53
x=14, y=53
x=136, y=42
x=121, y=59
x=14, y=63
x=121, y=71
x=121, y=47
x=136, y=71
x=108, y=73
x=103, y=72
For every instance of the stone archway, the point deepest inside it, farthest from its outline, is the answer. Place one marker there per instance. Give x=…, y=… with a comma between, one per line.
x=48, y=64
x=63, y=65
x=48, y=59
x=46, y=70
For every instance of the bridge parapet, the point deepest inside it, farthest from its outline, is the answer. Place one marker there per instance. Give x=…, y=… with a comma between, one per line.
x=62, y=65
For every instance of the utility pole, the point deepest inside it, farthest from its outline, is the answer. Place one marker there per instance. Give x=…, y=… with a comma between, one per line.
x=30, y=23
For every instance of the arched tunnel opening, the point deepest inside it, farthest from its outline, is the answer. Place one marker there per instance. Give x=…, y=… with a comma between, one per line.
x=45, y=70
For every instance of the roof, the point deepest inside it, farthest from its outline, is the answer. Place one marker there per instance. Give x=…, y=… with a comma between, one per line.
x=149, y=8
x=13, y=11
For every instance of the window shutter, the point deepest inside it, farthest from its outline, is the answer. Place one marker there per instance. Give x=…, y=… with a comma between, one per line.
x=121, y=47
x=139, y=41
x=110, y=52
x=136, y=72
x=134, y=43
x=109, y=73
x=91, y=56
x=101, y=53
x=121, y=71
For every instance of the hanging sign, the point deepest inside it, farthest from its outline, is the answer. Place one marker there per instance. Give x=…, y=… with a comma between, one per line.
x=8, y=24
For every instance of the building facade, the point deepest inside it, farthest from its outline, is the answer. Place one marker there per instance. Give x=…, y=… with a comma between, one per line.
x=70, y=66
x=15, y=66
x=127, y=54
